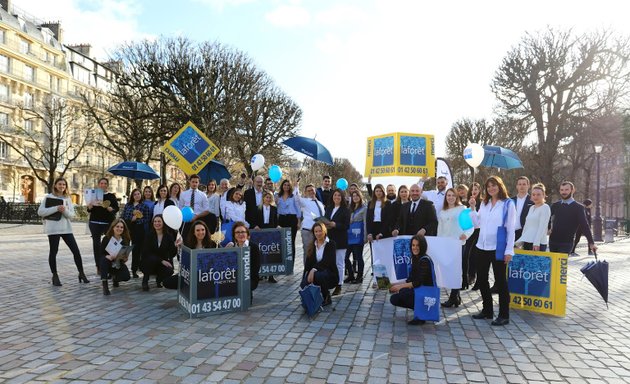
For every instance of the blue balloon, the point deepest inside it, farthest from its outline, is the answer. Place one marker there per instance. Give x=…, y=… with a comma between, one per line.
x=465, y=221
x=342, y=184
x=275, y=173
x=187, y=214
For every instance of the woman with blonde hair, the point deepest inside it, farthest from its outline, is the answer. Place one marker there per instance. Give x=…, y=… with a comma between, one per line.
x=534, y=235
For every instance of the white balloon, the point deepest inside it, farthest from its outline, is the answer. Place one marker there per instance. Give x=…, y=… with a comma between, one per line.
x=172, y=217
x=474, y=154
x=258, y=161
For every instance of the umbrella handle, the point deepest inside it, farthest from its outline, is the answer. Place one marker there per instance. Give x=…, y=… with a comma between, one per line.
x=595, y=254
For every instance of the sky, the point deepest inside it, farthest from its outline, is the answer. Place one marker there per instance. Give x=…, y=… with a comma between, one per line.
x=357, y=68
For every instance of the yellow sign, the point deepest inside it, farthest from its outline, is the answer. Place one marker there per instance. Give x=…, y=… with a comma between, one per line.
x=538, y=282
x=400, y=154
x=190, y=149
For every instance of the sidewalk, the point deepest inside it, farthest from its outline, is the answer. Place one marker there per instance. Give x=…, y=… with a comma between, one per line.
x=75, y=334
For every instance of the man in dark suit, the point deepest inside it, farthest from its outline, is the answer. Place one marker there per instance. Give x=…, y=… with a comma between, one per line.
x=324, y=193
x=416, y=216
x=522, y=202
x=253, y=198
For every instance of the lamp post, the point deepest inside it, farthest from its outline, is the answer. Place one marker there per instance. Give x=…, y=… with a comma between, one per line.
x=597, y=221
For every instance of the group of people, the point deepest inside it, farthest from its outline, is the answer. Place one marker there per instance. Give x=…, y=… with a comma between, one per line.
x=334, y=225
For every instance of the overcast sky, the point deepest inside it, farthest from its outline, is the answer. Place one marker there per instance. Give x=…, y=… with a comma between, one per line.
x=357, y=68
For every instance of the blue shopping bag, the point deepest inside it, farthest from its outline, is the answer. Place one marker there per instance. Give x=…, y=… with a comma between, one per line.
x=355, y=233
x=312, y=299
x=426, y=304
x=502, y=233
x=226, y=229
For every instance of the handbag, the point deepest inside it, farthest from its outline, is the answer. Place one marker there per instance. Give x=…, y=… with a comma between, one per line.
x=355, y=233
x=502, y=233
x=426, y=300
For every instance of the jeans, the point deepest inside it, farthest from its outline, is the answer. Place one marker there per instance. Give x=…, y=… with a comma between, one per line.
x=357, y=255
x=485, y=259
x=97, y=231
x=68, y=238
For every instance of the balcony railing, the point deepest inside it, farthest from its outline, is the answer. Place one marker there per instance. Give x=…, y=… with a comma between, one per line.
x=14, y=44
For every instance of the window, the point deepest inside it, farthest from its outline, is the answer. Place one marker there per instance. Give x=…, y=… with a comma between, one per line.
x=4, y=150
x=28, y=100
x=53, y=83
x=25, y=46
x=29, y=73
x=4, y=64
x=2, y=36
x=4, y=120
x=28, y=126
x=4, y=93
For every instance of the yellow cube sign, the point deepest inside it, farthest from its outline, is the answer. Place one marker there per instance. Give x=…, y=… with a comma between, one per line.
x=190, y=149
x=400, y=154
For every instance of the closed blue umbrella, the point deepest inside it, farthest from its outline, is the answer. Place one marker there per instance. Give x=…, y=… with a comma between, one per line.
x=214, y=170
x=134, y=170
x=500, y=157
x=310, y=147
x=597, y=273
x=311, y=299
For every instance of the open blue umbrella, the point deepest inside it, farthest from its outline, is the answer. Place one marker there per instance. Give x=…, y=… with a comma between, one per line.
x=214, y=170
x=311, y=299
x=310, y=147
x=500, y=157
x=134, y=170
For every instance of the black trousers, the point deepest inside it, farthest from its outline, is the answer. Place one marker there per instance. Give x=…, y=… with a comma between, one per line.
x=68, y=238
x=530, y=247
x=118, y=274
x=560, y=247
x=324, y=279
x=137, y=240
x=97, y=231
x=356, y=251
x=404, y=298
x=485, y=259
x=289, y=221
x=469, y=263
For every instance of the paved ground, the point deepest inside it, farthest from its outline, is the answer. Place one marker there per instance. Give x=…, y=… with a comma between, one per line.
x=75, y=334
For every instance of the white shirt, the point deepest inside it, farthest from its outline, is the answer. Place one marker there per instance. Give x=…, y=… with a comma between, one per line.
x=488, y=219
x=448, y=224
x=520, y=203
x=158, y=208
x=311, y=209
x=435, y=196
x=535, y=229
x=319, y=251
x=259, y=195
x=201, y=201
x=214, y=204
x=235, y=212
x=378, y=208
x=266, y=212
x=223, y=203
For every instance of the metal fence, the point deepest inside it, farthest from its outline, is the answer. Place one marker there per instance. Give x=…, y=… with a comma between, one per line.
x=26, y=213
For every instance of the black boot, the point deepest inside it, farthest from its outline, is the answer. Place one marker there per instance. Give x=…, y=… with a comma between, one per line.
x=106, y=288
x=55, y=280
x=453, y=301
x=145, y=282
x=83, y=278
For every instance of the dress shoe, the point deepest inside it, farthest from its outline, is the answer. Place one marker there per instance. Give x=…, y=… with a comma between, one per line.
x=158, y=284
x=348, y=280
x=358, y=280
x=272, y=280
x=82, y=278
x=55, y=280
x=116, y=284
x=475, y=287
x=337, y=290
x=327, y=301
x=106, y=288
x=416, y=322
x=472, y=279
x=135, y=275
x=499, y=321
x=482, y=315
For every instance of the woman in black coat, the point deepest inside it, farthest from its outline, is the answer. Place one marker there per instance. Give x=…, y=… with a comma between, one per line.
x=158, y=253
x=266, y=213
x=338, y=215
x=321, y=263
x=240, y=236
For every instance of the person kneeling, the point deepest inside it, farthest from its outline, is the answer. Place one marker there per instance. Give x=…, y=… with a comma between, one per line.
x=158, y=253
x=321, y=263
x=110, y=264
x=403, y=293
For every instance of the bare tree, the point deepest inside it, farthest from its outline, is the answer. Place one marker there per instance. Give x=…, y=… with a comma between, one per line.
x=553, y=77
x=313, y=171
x=51, y=151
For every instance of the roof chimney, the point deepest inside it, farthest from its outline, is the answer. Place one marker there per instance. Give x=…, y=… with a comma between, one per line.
x=6, y=5
x=55, y=28
x=84, y=49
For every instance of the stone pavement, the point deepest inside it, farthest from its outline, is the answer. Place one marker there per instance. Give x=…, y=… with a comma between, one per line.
x=75, y=334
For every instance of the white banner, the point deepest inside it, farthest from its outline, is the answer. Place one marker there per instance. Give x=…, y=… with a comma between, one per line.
x=443, y=169
x=394, y=254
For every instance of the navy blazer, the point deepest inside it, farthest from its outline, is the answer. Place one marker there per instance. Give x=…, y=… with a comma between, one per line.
x=259, y=220
x=249, y=197
x=386, y=220
x=342, y=221
x=424, y=217
x=328, y=262
x=165, y=251
x=525, y=211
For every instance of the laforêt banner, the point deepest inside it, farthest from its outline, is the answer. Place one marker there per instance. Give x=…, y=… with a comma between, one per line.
x=276, y=250
x=214, y=280
x=190, y=149
x=538, y=282
x=393, y=257
x=400, y=154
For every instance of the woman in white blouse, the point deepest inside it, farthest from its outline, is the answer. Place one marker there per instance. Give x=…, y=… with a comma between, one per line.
x=235, y=208
x=162, y=200
x=214, y=198
x=534, y=236
x=448, y=226
x=496, y=210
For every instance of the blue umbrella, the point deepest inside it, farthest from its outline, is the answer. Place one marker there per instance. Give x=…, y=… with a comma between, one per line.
x=311, y=299
x=310, y=147
x=597, y=273
x=501, y=158
x=214, y=170
x=134, y=170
